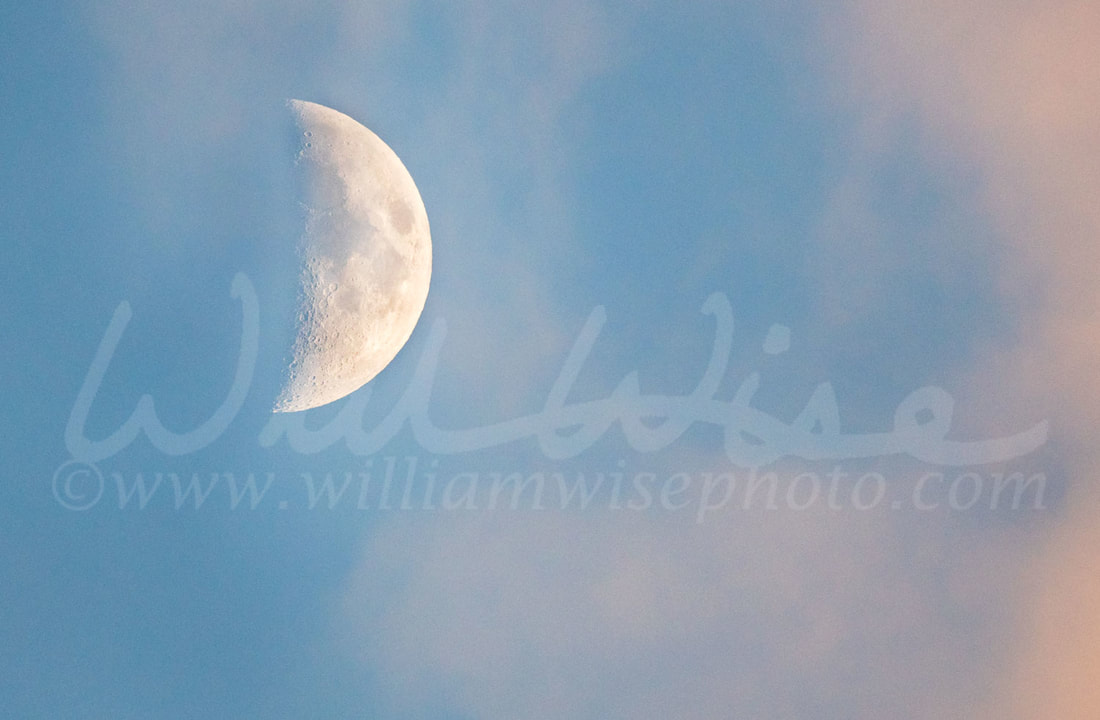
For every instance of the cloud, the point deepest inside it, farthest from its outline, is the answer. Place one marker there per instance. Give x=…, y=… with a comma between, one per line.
x=753, y=613
x=787, y=614
x=496, y=130
x=1009, y=90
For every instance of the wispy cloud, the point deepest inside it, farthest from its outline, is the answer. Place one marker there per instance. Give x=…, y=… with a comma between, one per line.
x=788, y=614
x=1010, y=91
x=809, y=614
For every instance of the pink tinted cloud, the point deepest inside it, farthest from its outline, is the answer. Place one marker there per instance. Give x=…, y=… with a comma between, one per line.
x=1012, y=89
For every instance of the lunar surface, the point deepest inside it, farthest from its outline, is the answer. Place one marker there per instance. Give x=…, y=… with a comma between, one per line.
x=366, y=259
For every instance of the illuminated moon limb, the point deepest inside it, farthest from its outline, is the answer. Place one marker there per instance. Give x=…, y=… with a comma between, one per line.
x=367, y=259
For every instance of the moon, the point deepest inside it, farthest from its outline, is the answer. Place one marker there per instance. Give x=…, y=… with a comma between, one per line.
x=366, y=258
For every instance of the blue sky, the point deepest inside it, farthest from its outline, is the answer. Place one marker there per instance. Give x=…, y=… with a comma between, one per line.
x=908, y=190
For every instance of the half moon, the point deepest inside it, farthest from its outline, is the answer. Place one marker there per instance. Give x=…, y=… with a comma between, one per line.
x=366, y=259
